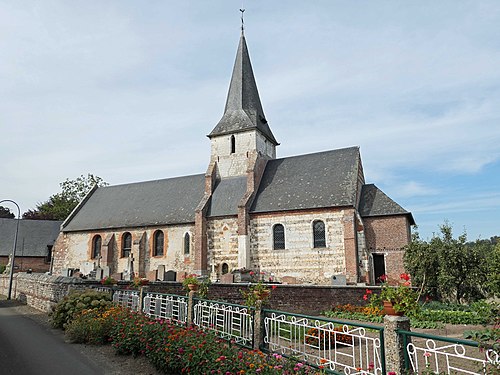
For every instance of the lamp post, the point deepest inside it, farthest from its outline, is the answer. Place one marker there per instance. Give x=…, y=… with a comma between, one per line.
x=11, y=275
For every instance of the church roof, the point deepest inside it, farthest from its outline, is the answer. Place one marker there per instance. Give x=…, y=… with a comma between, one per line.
x=374, y=202
x=226, y=196
x=323, y=179
x=319, y=180
x=243, y=109
x=159, y=202
x=33, y=237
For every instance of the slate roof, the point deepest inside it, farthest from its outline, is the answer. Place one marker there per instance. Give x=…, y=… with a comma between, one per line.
x=33, y=237
x=374, y=202
x=168, y=201
x=243, y=109
x=323, y=179
x=226, y=196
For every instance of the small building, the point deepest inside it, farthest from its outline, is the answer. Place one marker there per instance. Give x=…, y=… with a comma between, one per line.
x=35, y=240
x=302, y=219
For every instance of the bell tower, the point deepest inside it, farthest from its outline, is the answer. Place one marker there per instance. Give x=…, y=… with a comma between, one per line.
x=243, y=131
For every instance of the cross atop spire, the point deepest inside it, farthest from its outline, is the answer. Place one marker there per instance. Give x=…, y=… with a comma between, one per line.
x=243, y=108
x=242, y=21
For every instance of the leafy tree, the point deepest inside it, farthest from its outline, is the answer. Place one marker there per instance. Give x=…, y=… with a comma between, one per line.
x=5, y=213
x=451, y=268
x=422, y=263
x=493, y=282
x=462, y=270
x=60, y=205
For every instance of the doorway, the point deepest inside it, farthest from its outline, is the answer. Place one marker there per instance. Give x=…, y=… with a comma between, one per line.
x=378, y=267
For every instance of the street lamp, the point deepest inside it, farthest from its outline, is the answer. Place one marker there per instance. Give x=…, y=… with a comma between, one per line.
x=11, y=276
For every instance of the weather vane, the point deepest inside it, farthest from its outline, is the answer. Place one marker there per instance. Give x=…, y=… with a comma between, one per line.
x=242, y=10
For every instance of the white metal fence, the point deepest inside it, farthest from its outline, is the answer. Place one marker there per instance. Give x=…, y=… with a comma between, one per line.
x=166, y=306
x=435, y=354
x=341, y=348
x=127, y=298
x=231, y=322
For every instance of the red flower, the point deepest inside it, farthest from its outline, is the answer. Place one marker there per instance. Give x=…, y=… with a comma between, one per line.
x=274, y=286
x=368, y=291
x=405, y=276
x=383, y=278
x=252, y=273
x=365, y=297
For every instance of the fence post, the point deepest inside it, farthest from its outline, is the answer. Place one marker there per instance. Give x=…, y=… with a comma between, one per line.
x=190, y=308
x=258, y=326
x=142, y=292
x=394, y=343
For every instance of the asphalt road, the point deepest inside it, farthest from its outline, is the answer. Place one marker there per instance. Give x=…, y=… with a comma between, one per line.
x=28, y=347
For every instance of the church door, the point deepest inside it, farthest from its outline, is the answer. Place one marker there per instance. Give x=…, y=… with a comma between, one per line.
x=378, y=267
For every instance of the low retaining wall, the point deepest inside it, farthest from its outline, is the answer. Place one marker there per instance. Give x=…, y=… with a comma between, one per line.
x=39, y=290
x=43, y=291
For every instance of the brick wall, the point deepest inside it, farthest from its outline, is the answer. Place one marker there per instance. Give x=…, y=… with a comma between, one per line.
x=301, y=299
x=388, y=235
x=37, y=264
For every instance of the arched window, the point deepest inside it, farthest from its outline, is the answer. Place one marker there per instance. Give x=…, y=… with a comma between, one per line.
x=187, y=244
x=233, y=144
x=278, y=237
x=126, y=244
x=96, y=246
x=319, y=233
x=225, y=268
x=158, y=240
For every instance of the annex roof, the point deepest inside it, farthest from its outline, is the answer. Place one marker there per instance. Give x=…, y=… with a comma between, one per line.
x=323, y=179
x=243, y=109
x=33, y=237
x=374, y=202
x=159, y=202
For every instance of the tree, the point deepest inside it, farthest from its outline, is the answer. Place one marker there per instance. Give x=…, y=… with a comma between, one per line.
x=422, y=263
x=60, y=205
x=452, y=268
x=5, y=213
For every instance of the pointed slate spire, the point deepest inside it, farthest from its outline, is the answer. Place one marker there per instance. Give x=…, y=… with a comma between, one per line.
x=243, y=108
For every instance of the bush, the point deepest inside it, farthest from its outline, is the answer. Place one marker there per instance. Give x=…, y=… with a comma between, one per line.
x=93, y=326
x=74, y=303
x=2, y=268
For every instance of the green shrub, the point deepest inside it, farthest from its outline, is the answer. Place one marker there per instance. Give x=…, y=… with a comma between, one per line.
x=2, y=268
x=75, y=302
x=87, y=328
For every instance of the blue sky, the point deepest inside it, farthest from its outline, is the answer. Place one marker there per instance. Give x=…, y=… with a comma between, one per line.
x=128, y=90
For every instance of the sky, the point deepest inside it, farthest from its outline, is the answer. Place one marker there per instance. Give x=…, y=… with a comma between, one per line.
x=128, y=91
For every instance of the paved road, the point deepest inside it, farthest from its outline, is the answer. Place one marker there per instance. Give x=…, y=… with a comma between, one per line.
x=28, y=347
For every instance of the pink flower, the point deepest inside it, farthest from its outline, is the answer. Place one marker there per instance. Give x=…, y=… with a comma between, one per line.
x=391, y=373
x=252, y=273
x=274, y=286
x=427, y=354
x=368, y=291
x=365, y=297
x=383, y=278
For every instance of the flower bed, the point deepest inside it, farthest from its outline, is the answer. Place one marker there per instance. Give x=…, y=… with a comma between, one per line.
x=173, y=349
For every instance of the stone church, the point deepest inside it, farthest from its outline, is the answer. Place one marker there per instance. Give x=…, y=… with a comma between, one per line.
x=302, y=219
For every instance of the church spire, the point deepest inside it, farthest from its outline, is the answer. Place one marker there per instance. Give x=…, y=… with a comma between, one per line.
x=243, y=109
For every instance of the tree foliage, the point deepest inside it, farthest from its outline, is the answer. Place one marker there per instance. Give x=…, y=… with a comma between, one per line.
x=5, y=213
x=453, y=269
x=60, y=205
